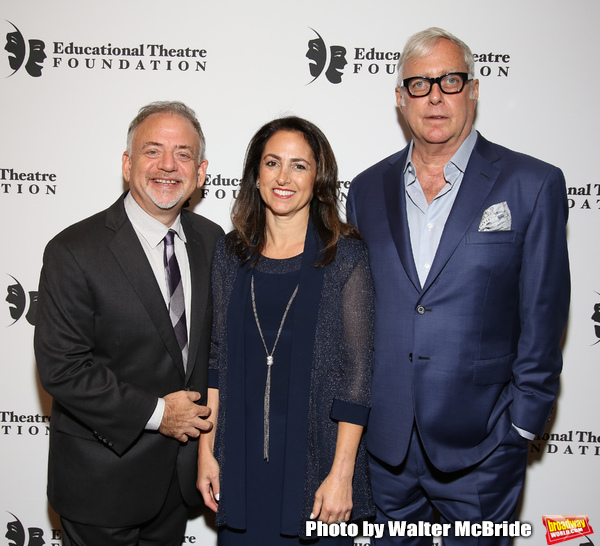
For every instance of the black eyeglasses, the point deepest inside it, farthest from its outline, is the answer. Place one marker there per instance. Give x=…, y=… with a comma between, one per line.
x=420, y=86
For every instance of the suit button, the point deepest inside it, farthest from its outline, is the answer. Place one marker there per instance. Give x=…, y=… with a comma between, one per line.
x=421, y=309
x=410, y=357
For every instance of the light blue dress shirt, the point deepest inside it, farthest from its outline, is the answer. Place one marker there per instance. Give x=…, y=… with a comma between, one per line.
x=426, y=221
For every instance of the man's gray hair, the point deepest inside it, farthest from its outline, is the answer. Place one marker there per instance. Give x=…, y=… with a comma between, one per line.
x=167, y=107
x=421, y=44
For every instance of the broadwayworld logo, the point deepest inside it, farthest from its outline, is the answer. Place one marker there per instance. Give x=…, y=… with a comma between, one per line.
x=561, y=528
x=18, y=50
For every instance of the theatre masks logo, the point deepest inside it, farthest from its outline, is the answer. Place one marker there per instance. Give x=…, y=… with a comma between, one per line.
x=332, y=59
x=15, y=533
x=364, y=60
x=30, y=52
x=18, y=301
x=596, y=319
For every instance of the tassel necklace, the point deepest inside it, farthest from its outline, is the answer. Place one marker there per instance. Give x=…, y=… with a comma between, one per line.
x=267, y=398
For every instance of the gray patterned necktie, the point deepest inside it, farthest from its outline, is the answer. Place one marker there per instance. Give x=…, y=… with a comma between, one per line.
x=176, y=299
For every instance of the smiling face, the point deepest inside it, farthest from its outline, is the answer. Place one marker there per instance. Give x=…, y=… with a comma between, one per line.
x=439, y=120
x=36, y=58
x=337, y=64
x=36, y=537
x=287, y=175
x=162, y=166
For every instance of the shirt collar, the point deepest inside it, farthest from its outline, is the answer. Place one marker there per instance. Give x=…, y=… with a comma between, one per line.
x=148, y=227
x=458, y=161
x=461, y=158
x=410, y=176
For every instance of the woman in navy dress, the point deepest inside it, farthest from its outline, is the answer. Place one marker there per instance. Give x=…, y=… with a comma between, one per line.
x=291, y=357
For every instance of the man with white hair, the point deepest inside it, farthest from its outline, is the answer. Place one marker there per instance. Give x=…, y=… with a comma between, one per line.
x=467, y=245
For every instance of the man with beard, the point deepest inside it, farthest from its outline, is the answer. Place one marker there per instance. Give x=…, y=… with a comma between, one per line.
x=122, y=338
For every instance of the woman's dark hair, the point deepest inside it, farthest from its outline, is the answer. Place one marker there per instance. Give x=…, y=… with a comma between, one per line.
x=249, y=215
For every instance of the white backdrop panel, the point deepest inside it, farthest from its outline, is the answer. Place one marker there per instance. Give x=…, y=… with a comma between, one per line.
x=66, y=117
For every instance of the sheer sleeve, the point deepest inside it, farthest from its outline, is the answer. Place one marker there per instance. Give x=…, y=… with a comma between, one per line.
x=219, y=282
x=357, y=308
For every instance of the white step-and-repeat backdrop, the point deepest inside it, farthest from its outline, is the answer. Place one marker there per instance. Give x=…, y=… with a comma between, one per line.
x=74, y=73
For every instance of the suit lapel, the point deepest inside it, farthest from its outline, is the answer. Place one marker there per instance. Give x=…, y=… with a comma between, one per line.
x=478, y=181
x=395, y=202
x=200, y=275
x=130, y=255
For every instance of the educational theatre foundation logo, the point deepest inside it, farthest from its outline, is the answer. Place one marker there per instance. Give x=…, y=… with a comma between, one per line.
x=364, y=59
x=563, y=528
x=584, y=197
x=567, y=443
x=63, y=54
x=26, y=54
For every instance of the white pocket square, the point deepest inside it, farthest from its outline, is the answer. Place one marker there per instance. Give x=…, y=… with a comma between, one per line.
x=496, y=218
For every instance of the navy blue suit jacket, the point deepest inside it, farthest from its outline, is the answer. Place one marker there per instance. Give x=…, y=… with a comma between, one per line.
x=478, y=346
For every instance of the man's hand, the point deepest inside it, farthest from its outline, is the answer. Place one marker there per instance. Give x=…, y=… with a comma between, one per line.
x=182, y=418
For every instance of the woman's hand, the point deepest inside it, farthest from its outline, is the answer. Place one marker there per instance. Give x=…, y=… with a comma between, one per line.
x=333, y=500
x=208, y=482
x=208, y=479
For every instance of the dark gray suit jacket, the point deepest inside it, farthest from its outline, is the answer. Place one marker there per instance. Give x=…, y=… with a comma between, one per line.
x=105, y=351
